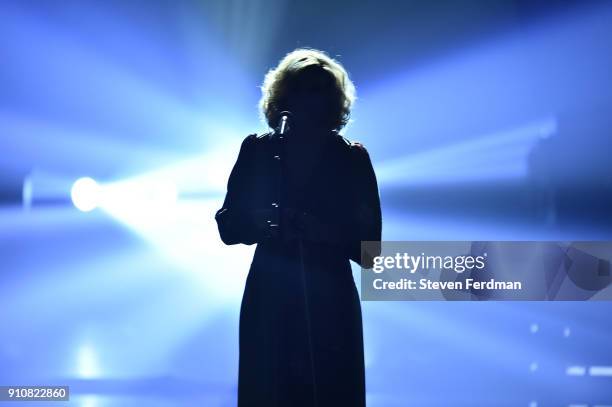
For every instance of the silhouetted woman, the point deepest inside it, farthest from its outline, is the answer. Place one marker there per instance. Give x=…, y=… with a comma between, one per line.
x=301, y=341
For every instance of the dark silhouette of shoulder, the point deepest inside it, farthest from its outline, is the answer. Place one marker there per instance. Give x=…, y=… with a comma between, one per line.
x=359, y=146
x=252, y=140
x=355, y=147
x=263, y=136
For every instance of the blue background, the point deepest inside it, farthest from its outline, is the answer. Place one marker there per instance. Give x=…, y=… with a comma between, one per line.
x=485, y=120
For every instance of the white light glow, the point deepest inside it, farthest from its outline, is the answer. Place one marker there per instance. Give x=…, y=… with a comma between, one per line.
x=85, y=194
x=87, y=362
x=173, y=208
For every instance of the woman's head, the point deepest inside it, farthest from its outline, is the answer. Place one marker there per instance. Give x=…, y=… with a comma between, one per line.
x=311, y=85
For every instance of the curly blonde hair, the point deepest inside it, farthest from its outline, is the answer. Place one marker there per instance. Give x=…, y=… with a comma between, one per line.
x=278, y=82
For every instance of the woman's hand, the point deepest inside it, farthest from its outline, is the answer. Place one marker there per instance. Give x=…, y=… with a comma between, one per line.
x=294, y=224
x=298, y=224
x=266, y=222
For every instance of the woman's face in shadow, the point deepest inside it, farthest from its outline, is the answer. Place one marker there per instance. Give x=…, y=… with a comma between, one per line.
x=311, y=97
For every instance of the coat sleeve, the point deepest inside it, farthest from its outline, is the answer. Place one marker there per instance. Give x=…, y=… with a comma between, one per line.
x=367, y=215
x=234, y=219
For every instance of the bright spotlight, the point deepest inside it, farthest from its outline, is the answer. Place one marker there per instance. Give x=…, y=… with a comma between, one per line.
x=85, y=194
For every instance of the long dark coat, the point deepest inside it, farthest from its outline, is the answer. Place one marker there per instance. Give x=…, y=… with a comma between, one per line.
x=300, y=336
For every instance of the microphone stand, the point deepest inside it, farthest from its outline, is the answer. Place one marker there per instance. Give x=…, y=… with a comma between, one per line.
x=279, y=155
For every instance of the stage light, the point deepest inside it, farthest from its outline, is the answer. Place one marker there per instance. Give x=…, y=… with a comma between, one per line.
x=85, y=194
x=88, y=366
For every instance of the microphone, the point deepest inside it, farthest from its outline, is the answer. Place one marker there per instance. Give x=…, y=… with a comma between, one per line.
x=279, y=156
x=285, y=122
